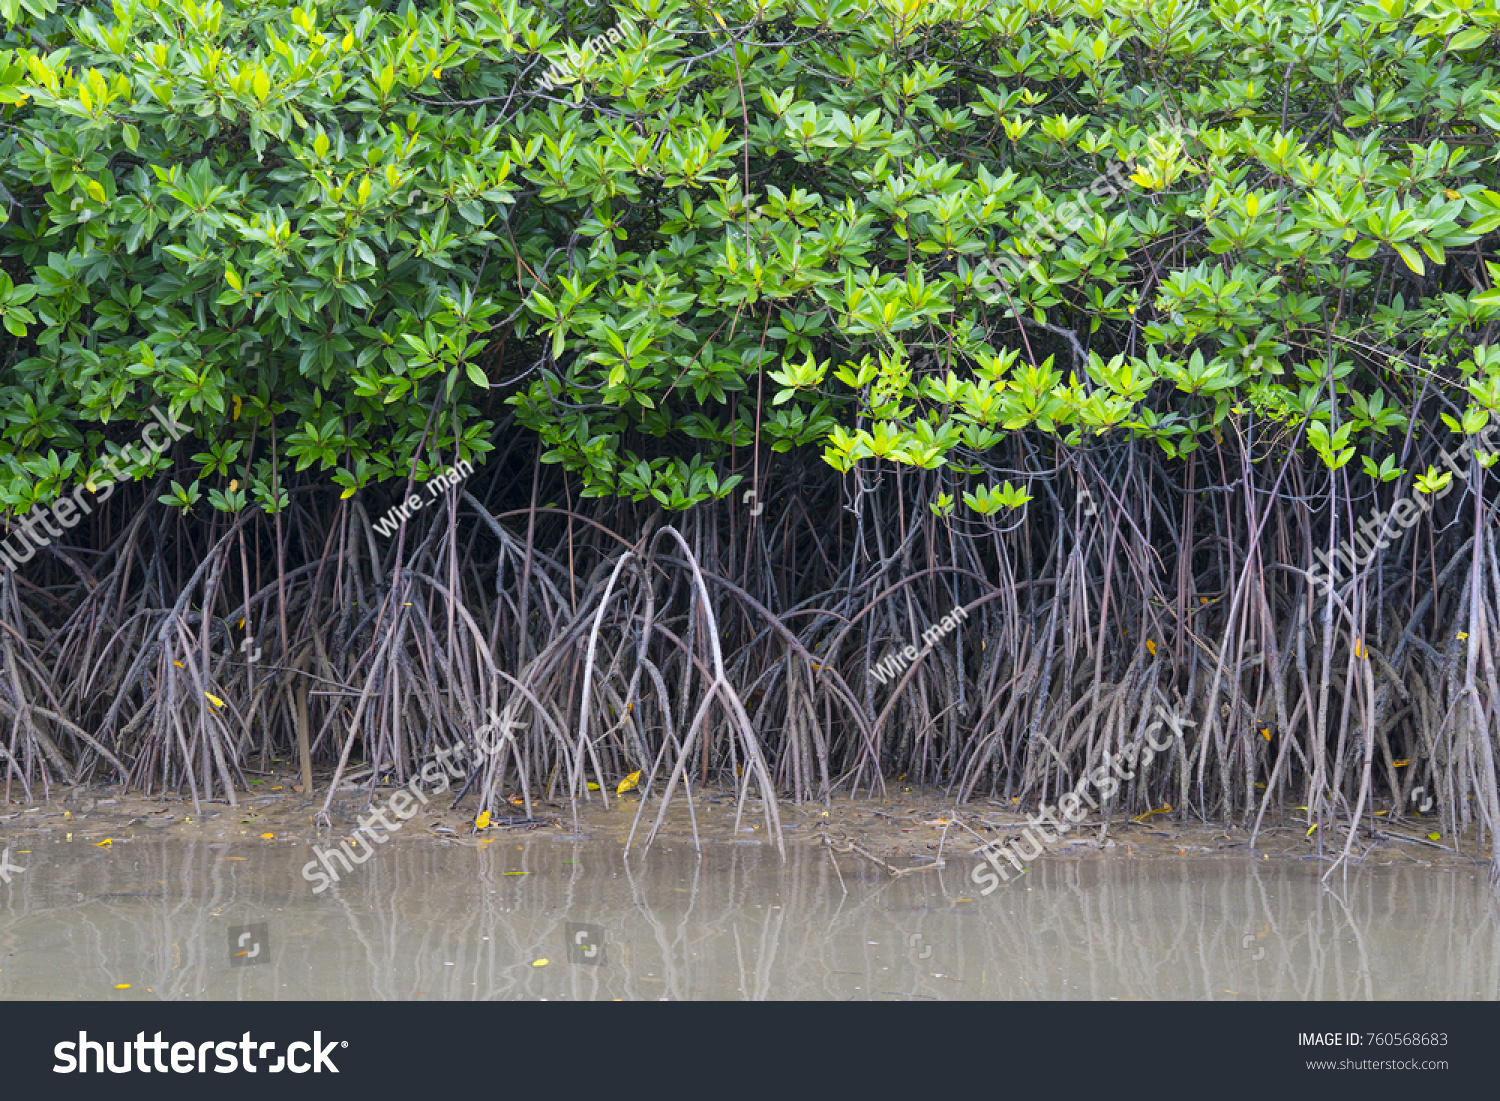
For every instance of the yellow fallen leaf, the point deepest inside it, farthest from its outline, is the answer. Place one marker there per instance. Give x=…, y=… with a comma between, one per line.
x=593, y=786
x=214, y=699
x=122, y=986
x=102, y=844
x=1265, y=732
x=1434, y=837
x=1309, y=833
x=1400, y=764
x=483, y=821
x=268, y=837
x=1159, y=810
x=178, y=664
x=1359, y=648
x=540, y=963
x=1461, y=635
x=1151, y=646
x=629, y=782
x=512, y=873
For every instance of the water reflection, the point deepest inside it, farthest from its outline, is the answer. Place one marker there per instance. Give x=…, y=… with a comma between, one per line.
x=418, y=922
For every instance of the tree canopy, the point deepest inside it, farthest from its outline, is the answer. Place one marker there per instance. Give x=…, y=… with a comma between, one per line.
x=352, y=239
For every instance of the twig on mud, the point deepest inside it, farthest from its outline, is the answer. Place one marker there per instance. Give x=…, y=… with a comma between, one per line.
x=848, y=845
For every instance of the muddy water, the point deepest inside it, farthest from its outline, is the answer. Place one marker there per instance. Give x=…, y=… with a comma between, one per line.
x=418, y=922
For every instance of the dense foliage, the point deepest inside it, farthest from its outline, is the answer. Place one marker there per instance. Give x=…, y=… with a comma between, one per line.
x=666, y=231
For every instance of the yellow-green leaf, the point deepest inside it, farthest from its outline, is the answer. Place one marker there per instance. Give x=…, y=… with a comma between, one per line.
x=1467, y=40
x=1412, y=257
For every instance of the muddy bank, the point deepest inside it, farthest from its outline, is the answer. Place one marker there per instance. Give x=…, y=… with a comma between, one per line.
x=899, y=833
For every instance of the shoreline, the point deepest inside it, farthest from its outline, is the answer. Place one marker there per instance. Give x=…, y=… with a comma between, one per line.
x=901, y=833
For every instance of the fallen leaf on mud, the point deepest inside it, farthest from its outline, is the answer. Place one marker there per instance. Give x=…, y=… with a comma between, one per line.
x=214, y=699
x=628, y=783
x=483, y=821
x=268, y=837
x=105, y=843
x=540, y=963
